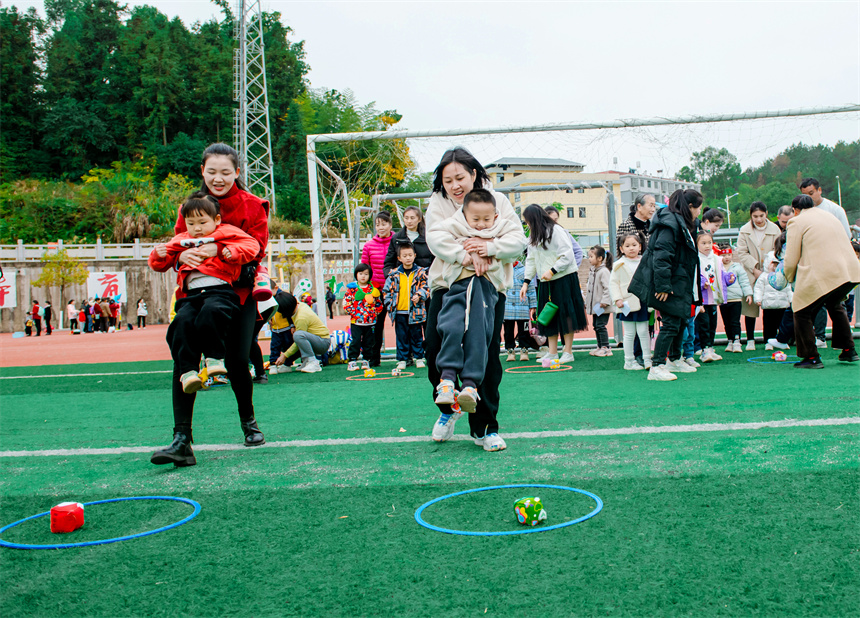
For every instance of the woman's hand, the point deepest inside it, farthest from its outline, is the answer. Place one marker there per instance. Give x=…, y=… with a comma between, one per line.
x=533, y=314
x=476, y=245
x=619, y=303
x=482, y=265
x=468, y=260
x=547, y=275
x=661, y=296
x=749, y=300
x=524, y=292
x=161, y=250
x=604, y=305
x=281, y=359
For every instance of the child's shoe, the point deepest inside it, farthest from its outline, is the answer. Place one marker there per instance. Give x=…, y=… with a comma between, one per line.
x=443, y=428
x=365, y=364
x=820, y=343
x=661, y=374
x=633, y=366
x=262, y=284
x=768, y=346
x=401, y=365
x=524, y=355
x=491, y=442
x=215, y=367
x=692, y=362
x=511, y=356
x=419, y=363
x=191, y=382
x=467, y=399
x=445, y=392
x=774, y=343
x=750, y=345
x=352, y=366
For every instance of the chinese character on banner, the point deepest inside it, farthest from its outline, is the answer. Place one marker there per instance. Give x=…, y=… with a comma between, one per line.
x=8, y=290
x=107, y=285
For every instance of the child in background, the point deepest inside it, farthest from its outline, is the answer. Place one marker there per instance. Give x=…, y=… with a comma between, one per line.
x=282, y=334
x=28, y=324
x=311, y=338
x=206, y=300
x=517, y=315
x=404, y=296
x=362, y=303
x=598, y=302
x=635, y=322
x=713, y=283
x=738, y=289
x=551, y=258
x=773, y=302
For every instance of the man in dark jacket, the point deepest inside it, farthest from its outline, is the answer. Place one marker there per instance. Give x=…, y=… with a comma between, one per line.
x=48, y=315
x=667, y=280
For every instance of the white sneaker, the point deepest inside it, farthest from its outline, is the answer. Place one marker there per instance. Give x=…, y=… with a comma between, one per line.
x=714, y=355
x=661, y=374
x=730, y=347
x=445, y=393
x=692, y=362
x=491, y=442
x=540, y=359
x=633, y=366
x=567, y=357
x=706, y=357
x=737, y=348
x=468, y=399
x=312, y=365
x=511, y=356
x=401, y=365
x=750, y=345
x=698, y=352
x=820, y=343
x=778, y=344
x=768, y=346
x=419, y=363
x=443, y=429
x=353, y=366
x=679, y=366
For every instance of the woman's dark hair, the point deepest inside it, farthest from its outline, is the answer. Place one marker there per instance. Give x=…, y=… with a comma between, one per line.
x=540, y=225
x=382, y=215
x=220, y=148
x=713, y=215
x=681, y=201
x=360, y=269
x=465, y=158
x=624, y=237
x=604, y=255
x=856, y=246
x=551, y=209
x=758, y=206
x=802, y=202
x=778, y=244
x=421, y=226
x=202, y=203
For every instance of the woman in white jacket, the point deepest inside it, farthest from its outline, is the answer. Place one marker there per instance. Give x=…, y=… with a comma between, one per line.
x=458, y=173
x=551, y=258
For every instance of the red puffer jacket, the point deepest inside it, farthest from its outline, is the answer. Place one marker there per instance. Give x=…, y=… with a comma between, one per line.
x=373, y=254
x=247, y=212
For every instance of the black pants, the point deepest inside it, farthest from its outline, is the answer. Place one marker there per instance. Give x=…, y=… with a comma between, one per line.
x=201, y=321
x=785, y=333
x=670, y=339
x=255, y=355
x=804, y=323
x=706, y=325
x=483, y=420
x=37, y=326
x=599, y=322
x=464, y=349
x=771, y=319
x=362, y=342
x=523, y=337
x=239, y=335
x=820, y=324
x=749, y=323
x=141, y=321
x=48, y=328
x=73, y=324
x=410, y=338
x=731, y=314
x=330, y=311
x=281, y=342
x=378, y=333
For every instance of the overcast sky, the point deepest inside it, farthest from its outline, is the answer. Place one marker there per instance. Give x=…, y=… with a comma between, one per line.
x=485, y=64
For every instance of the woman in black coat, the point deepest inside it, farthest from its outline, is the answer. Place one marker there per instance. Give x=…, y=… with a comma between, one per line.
x=413, y=232
x=667, y=277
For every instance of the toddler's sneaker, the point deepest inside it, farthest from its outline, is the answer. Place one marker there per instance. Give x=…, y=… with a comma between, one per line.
x=567, y=357
x=661, y=374
x=820, y=343
x=511, y=357
x=215, y=367
x=524, y=355
x=692, y=362
x=679, y=366
x=419, y=363
x=312, y=365
x=365, y=364
x=491, y=442
x=191, y=382
x=768, y=346
x=352, y=366
x=750, y=345
x=401, y=365
x=467, y=399
x=445, y=392
x=633, y=366
x=737, y=348
x=773, y=343
x=443, y=428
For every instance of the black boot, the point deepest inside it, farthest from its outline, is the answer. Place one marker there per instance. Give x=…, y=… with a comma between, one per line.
x=253, y=435
x=179, y=453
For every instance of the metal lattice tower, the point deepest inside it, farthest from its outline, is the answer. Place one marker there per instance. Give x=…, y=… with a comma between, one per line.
x=251, y=132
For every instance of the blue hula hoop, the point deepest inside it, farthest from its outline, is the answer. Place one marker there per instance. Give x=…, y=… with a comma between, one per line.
x=103, y=541
x=767, y=360
x=596, y=510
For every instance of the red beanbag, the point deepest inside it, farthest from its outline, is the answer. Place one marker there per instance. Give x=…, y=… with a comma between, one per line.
x=67, y=517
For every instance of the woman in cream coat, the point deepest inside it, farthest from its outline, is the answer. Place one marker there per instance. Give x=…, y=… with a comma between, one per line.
x=755, y=241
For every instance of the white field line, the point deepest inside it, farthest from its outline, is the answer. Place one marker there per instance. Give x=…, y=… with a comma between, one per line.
x=86, y=375
x=525, y=435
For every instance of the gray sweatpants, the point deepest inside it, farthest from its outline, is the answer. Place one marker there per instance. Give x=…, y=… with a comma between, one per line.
x=464, y=351
x=310, y=345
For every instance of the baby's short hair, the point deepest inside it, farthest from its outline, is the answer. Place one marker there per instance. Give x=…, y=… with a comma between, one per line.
x=404, y=245
x=481, y=196
x=201, y=203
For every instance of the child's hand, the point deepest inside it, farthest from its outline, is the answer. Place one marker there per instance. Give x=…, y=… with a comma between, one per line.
x=415, y=298
x=758, y=303
x=731, y=278
x=161, y=250
x=547, y=275
x=476, y=245
x=369, y=300
x=604, y=305
x=226, y=253
x=619, y=303
x=524, y=291
x=749, y=300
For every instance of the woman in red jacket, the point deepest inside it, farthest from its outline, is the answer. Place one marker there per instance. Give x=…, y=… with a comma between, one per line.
x=373, y=254
x=249, y=213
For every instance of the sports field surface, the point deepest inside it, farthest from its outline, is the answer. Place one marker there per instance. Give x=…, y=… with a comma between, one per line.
x=731, y=492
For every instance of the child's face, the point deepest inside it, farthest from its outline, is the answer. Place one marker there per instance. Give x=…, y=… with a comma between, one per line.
x=407, y=258
x=363, y=277
x=727, y=259
x=705, y=245
x=480, y=215
x=711, y=226
x=593, y=259
x=201, y=225
x=630, y=249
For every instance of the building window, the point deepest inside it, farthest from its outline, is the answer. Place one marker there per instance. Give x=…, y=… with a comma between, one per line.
x=634, y=183
x=570, y=213
x=518, y=209
x=516, y=197
x=649, y=184
x=582, y=213
x=501, y=177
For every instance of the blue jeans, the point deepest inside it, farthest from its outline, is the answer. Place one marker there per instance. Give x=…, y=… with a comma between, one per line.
x=410, y=338
x=689, y=338
x=280, y=342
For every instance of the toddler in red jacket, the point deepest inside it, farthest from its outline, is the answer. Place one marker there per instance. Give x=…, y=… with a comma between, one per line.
x=205, y=299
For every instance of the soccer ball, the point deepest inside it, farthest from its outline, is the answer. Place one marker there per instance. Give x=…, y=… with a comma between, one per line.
x=303, y=286
x=777, y=279
x=529, y=511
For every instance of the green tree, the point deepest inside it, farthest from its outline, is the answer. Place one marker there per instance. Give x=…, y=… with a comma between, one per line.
x=59, y=270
